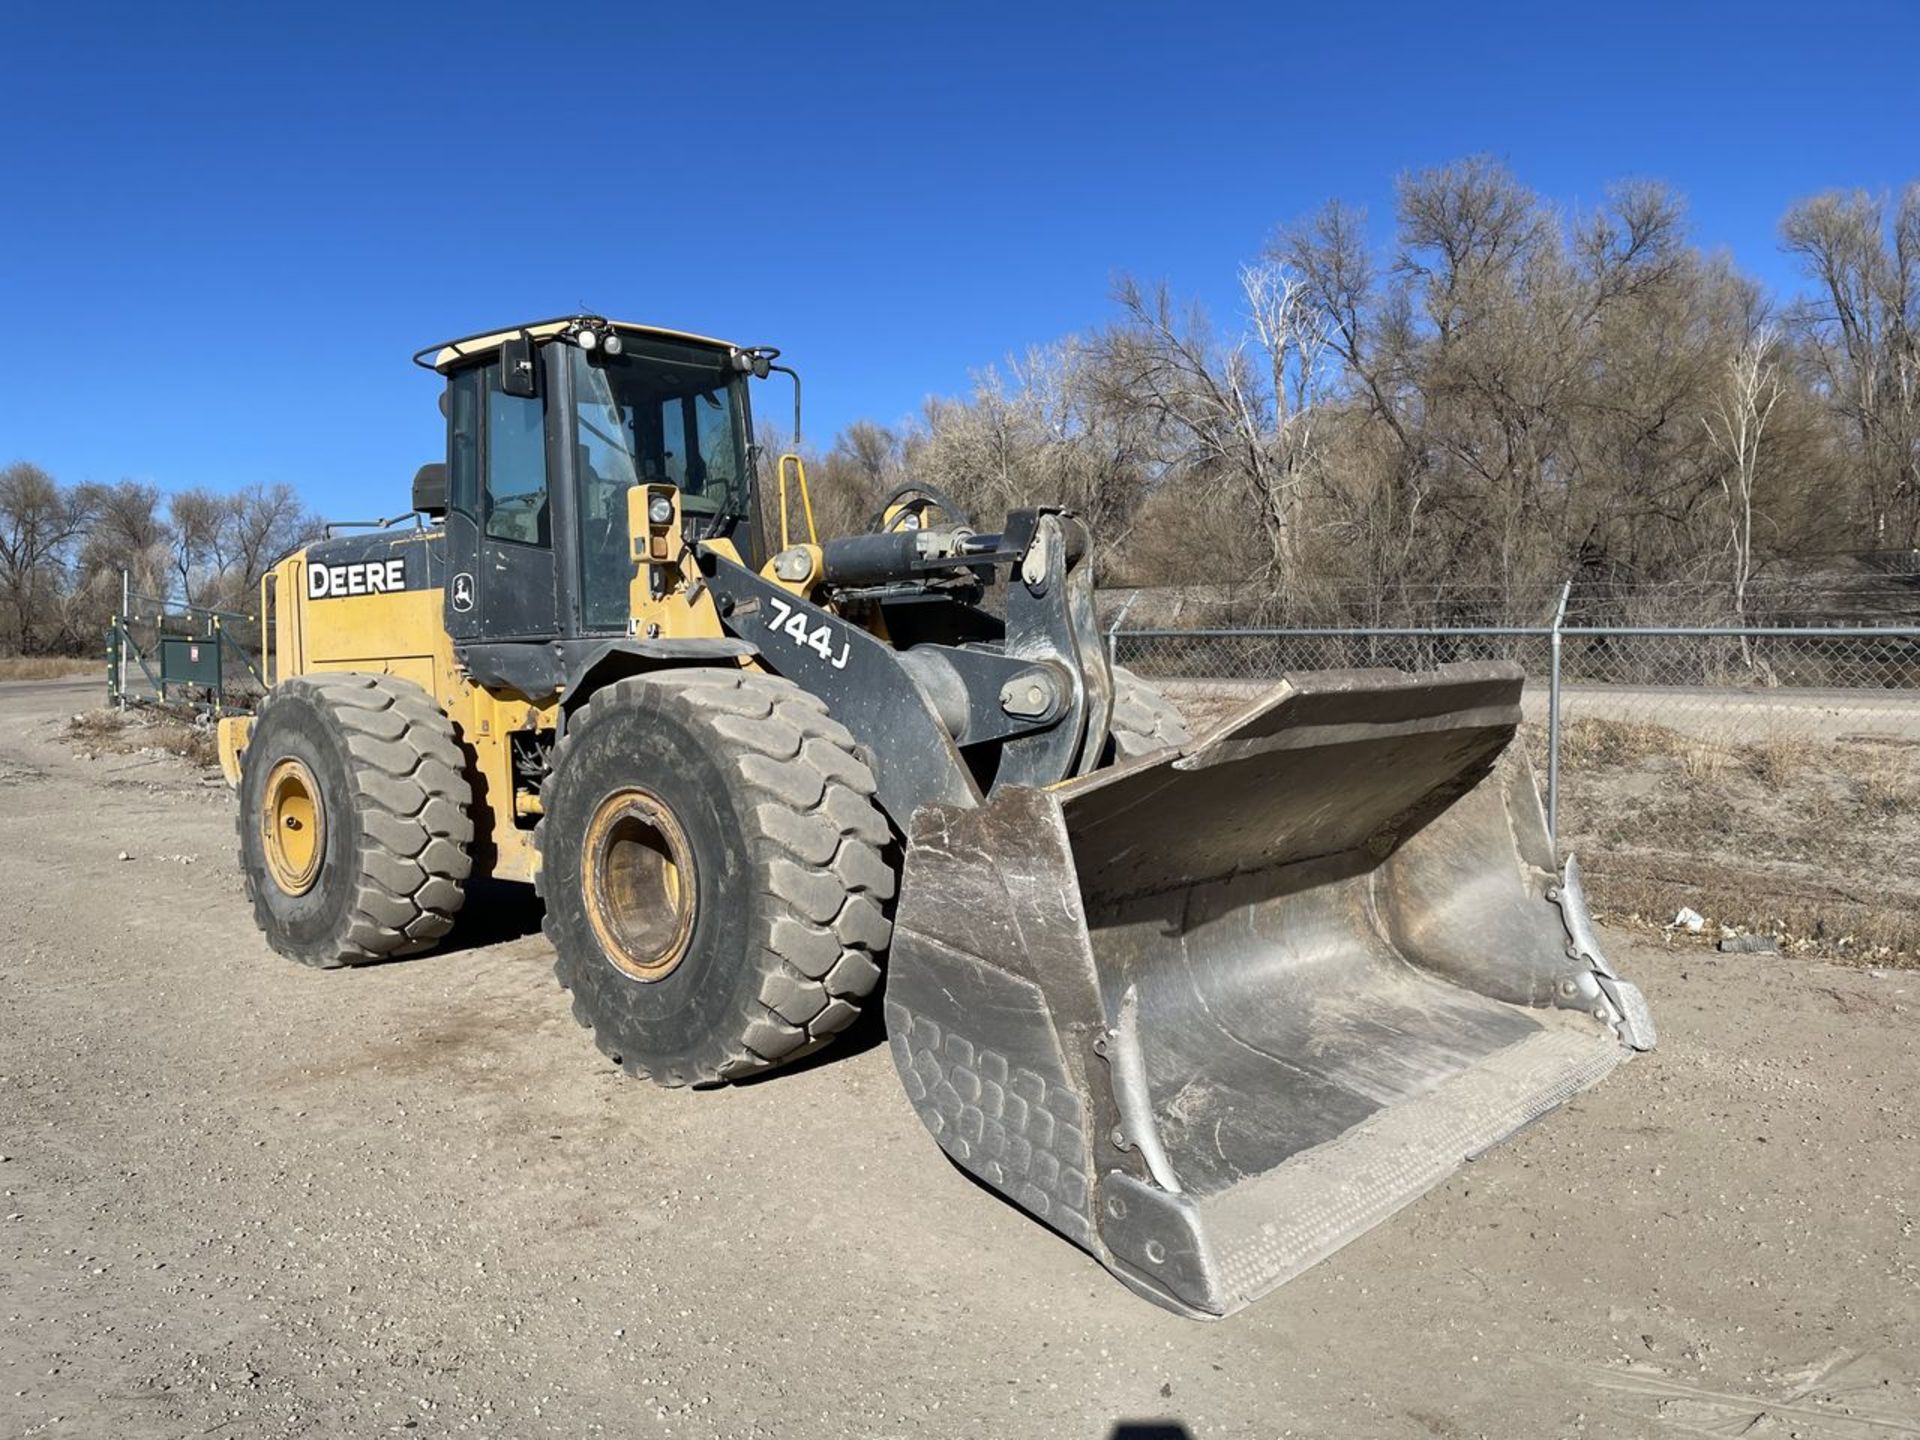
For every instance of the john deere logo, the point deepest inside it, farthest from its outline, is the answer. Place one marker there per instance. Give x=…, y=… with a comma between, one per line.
x=463, y=591
x=363, y=577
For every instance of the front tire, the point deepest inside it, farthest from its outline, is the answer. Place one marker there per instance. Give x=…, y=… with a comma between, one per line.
x=718, y=879
x=355, y=834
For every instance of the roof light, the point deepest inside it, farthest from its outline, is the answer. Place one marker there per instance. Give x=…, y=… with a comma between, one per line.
x=587, y=339
x=612, y=344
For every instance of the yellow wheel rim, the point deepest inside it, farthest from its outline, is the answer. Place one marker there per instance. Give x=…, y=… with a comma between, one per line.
x=293, y=827
x=637, y=875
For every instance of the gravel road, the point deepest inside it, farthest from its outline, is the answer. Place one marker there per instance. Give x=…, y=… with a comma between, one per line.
x=244, y=1199
x=1721, y=715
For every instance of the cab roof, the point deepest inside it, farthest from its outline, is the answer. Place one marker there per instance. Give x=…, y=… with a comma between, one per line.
x=448, y=352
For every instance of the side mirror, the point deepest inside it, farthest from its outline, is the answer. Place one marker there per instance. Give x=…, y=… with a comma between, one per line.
x=518, y=373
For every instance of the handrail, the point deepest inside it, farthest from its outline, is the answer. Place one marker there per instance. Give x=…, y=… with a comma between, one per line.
x=269, y=617
x=386, y=524
x=806, y=500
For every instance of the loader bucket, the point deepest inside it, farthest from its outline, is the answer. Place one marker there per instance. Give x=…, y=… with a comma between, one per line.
x=1214, y=1013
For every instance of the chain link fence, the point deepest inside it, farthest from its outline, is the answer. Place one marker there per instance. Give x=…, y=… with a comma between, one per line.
x=1766, y=779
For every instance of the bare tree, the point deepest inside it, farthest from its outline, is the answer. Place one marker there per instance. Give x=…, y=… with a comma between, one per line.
x=129, y=532
x=1229, y=415
x=223, y=544
x=1444, y=423
x=1293, y=336
x=1735, y=425
x=263, y=523
x=39, y=524
x=1861, y=340
x=852, y=478
x=198, y=519
x=1041, y=430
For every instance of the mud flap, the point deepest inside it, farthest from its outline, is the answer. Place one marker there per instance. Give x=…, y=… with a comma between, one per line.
x=1211, y=1015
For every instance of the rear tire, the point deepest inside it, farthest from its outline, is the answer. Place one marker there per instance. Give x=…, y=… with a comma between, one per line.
x=1144, y=720
x=355, y=834
x=718, y=879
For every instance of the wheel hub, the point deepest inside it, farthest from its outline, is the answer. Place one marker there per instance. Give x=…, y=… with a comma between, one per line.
x=293, y=826
x=638, y=880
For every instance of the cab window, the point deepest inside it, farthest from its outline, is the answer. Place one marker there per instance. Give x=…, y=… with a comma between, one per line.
x=515, y=498
x=659, y=413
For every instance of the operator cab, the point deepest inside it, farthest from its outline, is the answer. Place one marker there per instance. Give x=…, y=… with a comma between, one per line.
x=549, y=427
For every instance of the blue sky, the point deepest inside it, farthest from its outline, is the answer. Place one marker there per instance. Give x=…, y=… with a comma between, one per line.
x=223, y=230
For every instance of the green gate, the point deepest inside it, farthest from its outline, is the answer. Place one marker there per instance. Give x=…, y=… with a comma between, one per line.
x=184, y=656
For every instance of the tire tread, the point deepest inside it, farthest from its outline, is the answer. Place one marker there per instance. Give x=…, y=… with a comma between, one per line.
x=406, y=772
x=821, y=849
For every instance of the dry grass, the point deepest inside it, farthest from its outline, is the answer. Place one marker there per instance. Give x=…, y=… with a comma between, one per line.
x=1777, y=759
x=1784, y=835
x=127, y=732
x=1887, y=788
x=1590, y=743
x=1808, y=918
x=1703, y=762
x=49, y=667
x=97, y=725
x=1616, y=742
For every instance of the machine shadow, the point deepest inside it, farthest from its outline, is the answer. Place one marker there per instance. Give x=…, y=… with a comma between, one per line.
x=496, y=911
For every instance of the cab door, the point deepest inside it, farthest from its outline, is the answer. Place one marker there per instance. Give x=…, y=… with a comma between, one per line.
x=500, y=517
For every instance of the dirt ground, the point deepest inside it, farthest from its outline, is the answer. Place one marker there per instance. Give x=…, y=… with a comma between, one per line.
x=243, y=1199
x=1788, y=837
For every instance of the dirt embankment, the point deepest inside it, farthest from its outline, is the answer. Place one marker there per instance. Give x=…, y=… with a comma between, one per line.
x=1786, y=837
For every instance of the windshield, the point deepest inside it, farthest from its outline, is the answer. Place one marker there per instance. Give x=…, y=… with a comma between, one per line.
x=657, y=413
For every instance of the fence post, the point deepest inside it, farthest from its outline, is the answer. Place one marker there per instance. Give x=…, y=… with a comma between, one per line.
x=120, y=627
x=1553, y=721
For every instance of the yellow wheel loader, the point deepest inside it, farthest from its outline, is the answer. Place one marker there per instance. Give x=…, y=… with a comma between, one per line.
x=1208, y=1007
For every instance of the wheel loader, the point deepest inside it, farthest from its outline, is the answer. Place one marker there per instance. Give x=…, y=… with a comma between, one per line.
x=1208, y=1006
